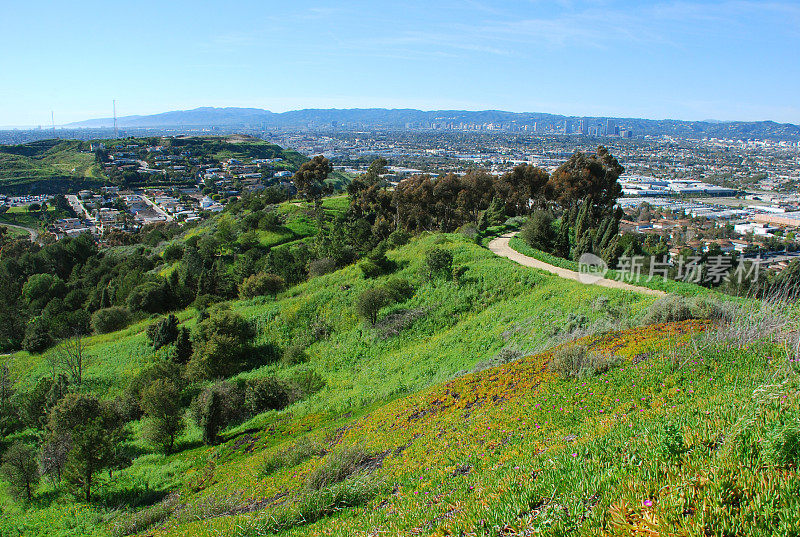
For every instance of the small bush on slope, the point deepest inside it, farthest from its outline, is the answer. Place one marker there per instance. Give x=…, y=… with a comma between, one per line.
x=577, y=361
x=338, y=466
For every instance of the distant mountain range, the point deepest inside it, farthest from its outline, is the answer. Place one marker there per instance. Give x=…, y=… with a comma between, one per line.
x=409, y=118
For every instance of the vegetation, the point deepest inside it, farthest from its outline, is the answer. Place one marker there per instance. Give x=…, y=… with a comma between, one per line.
x=441, y=390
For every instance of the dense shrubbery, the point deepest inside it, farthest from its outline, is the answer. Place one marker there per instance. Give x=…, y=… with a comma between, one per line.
x=261, y=284
x=576, y=361
x=110, y=319
x=678, y=308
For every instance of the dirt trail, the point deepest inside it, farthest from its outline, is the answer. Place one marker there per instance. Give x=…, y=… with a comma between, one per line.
x=32, y=232
x=501, y=247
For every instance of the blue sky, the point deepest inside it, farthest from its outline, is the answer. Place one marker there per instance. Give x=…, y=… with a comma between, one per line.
x=684, y=60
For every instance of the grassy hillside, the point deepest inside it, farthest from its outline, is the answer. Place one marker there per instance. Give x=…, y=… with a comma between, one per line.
x=47, y=166
x=454, y=415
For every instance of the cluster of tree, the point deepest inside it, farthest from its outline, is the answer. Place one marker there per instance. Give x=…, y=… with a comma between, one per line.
x=422, y=202
x=80, y=435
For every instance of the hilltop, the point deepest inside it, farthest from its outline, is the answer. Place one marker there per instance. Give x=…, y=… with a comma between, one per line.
x=48, y=166
x=455, y=413
x=364, y=364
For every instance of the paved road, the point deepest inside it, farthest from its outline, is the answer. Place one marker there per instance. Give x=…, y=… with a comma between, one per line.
x=500, y=247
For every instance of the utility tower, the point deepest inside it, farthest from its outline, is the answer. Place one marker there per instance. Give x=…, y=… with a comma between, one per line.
x=116, y=133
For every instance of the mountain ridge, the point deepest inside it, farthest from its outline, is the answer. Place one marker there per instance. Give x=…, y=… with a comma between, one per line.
x=390, y=118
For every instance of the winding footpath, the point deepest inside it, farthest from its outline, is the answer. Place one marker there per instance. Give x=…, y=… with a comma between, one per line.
x=500, y=247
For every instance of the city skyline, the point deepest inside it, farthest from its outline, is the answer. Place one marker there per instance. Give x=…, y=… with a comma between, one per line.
x=726, y=61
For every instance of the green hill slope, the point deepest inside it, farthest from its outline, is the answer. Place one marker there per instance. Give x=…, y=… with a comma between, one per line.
x=403, y=439
x=47, y=166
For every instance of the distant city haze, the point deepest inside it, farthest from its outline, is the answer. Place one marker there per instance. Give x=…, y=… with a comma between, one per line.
x=693, y=60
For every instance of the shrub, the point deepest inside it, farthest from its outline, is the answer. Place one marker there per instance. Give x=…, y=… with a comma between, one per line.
x=338, y=466
x=217, y=406
x=538, y=231
x=677, y=308
x=439, y=263
x=377, y=263
x=150, y=297
x=294, y=354
x=163, y=331
x=508, y=355
x=302, y=450
x=399, y=289
x=307, y=382
x=222, y=343
x=37, y=336
x=394, y=323
x=268, y=393
x=370, y=302
x=318, y=267
x=139, y=521
x=370, y=269
x=398, y=238
x=173, y=252
x=577, y=362
x=261, y=284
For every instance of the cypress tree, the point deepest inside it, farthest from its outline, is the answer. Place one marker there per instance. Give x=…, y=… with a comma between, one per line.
x=211, y=416
x=562, y=240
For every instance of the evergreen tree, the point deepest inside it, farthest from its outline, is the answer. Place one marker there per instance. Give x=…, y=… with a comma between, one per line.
x=562, y=240
x=105, y=299
x=163, y=332
x=211, y=416
x=483, y=221
x=497, y=212
x=183, y=347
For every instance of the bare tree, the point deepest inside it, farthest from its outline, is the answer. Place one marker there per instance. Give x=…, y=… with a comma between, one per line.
x=71, y=353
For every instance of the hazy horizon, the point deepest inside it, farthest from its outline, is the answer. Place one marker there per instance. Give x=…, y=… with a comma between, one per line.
x=697, y=60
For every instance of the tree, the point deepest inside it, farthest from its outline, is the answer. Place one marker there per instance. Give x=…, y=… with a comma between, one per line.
x=222, y=342
x=94, y=429
x=150, y=297
x=71, y=354
x=309, y=180
x=161, y=405
x=183, y=347
x=210, y=415
x=439, y=262
x=523, y=188
x=37, y=336
x=587, y=175
x=496, y=213
x=163, y=332
x=261, y=284
x=20, y=469
x=538, y=231
x=370, y=302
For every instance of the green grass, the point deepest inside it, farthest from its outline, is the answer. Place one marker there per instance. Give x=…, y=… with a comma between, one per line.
x=49, y=163
x=660, y=439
